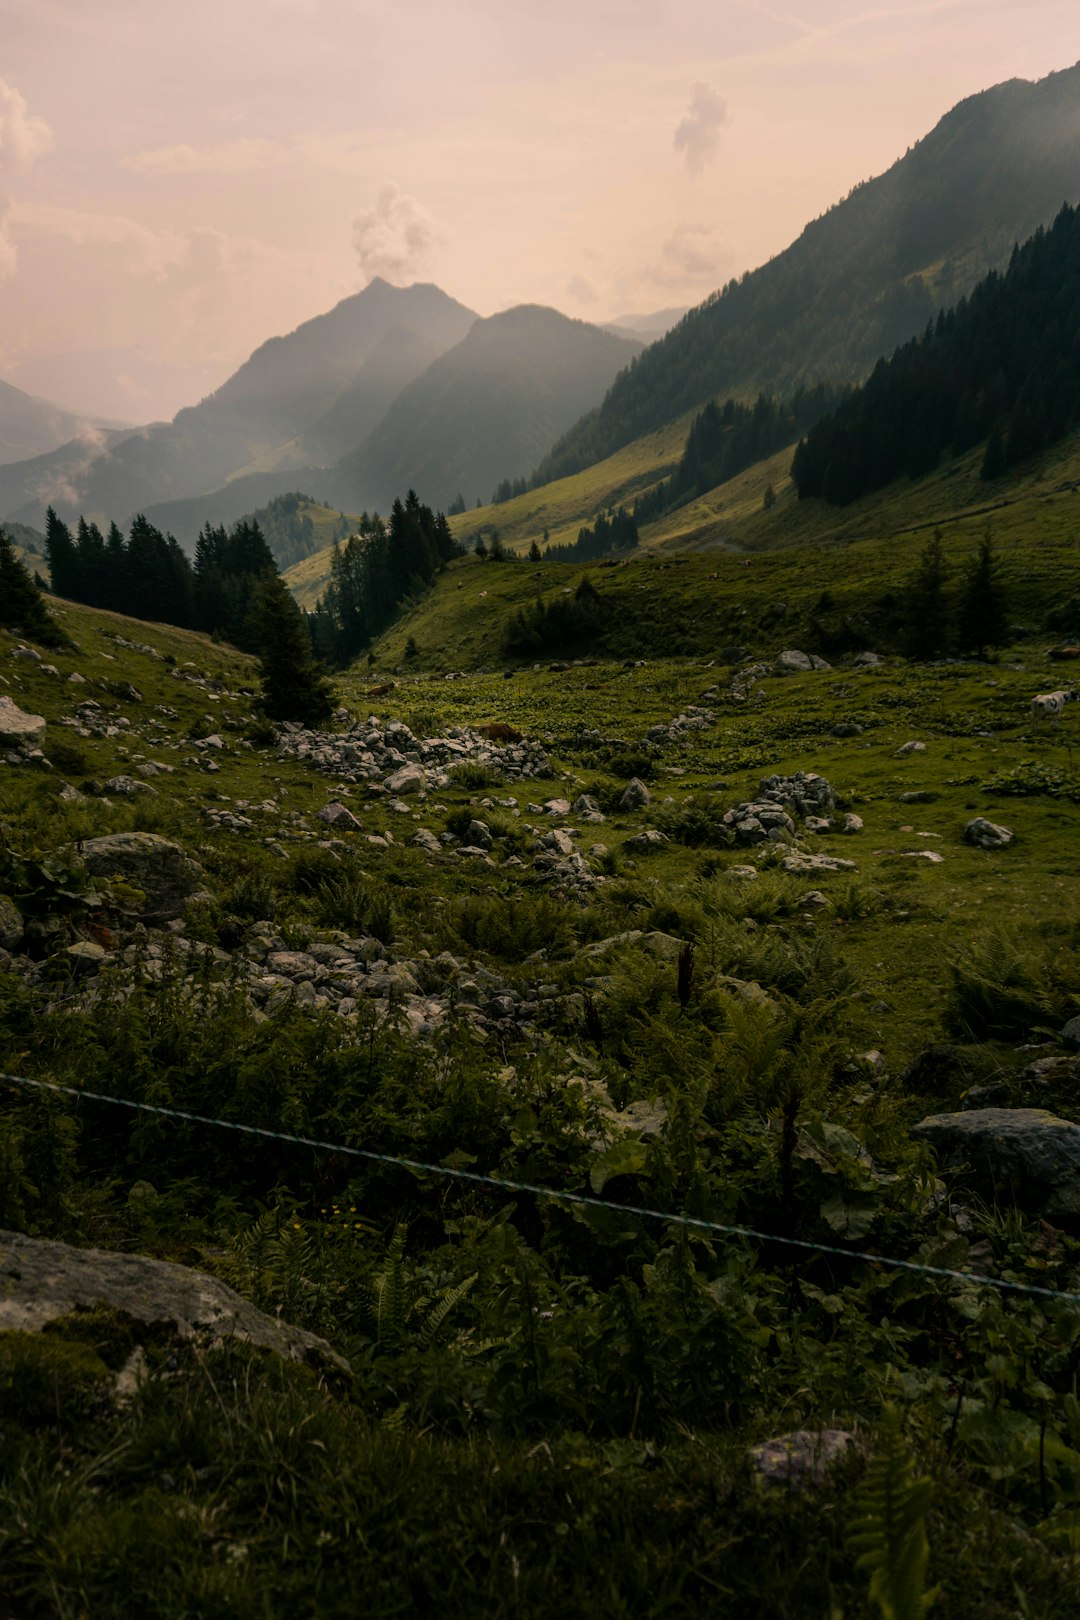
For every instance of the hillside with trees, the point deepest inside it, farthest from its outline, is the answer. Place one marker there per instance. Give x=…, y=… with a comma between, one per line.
x=1003, y=366
x=486, y=409
x=867, y=275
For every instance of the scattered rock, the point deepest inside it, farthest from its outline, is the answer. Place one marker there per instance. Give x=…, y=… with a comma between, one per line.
x=987, y=834
x=42, y=1281
x=802, y=1458
x=646, y=842
x=910, y=748
x=793, y=662
x=85, y=956
x=160, y=869
x=802, y=864
x=340, y=816
x=17, y=727
x=1023, y=1155
x=635, y=795
x=409, y=779
x=867, y=660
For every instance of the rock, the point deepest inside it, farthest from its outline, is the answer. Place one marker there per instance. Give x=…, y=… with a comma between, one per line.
x=339, y=816
x=802, y=1458
x=846, y=728
x=987, y=834
x=586, y=805
x=1071, y=1032
x=919, y=796
x=11, y=925
x=793, y=662
x=558, y=841
x=851, y=824
x=930, y=855
x=425, y=839
x=743, y=874
x=556, y=807
x=635, y=795
x=1023, y=1155
x=910, y=748
x=646, y=842
x=867, y=660
x=479, y=836
x=409, y=779
x=165, y=874
x=42, y=1281
x=813, y=900
x=85, y=956
x=125, y=787
x=17, y=727
x=801, y=864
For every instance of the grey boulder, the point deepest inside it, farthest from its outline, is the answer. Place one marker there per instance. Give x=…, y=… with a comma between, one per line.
x=1026, y=1155
x=987, y=834
x=166, y=877
x=17, y=727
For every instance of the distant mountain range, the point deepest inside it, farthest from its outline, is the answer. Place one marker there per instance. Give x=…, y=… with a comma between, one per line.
x=32, y=427
x=867, y=275
x=485, y=410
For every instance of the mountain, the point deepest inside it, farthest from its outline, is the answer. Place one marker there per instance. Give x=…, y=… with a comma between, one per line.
x=484, y=410
x=288, y=386
x=867, y=275
x=32, y=427
x=27, y=487
x=646, y=328
x=1004, y=364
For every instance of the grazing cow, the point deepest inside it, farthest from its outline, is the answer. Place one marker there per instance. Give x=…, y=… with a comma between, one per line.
x=1048, y=706
x=499, y=731
x=1063, y=652
x=381, y=691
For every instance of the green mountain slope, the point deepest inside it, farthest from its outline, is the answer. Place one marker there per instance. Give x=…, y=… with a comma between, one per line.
x=868, y=274
x=485, y=410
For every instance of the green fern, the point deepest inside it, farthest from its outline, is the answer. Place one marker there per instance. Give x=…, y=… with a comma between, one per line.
x=890, y=1531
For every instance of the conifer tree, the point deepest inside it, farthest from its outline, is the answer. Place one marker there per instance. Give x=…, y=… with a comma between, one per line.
x=293, y=687
x=60, y=551
x=22, y=607
x=926, y=612
x=983, y=615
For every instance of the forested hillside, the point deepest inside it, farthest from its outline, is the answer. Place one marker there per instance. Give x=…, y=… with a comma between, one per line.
x=485, y=410
x=1004, y=363
x=864, y=277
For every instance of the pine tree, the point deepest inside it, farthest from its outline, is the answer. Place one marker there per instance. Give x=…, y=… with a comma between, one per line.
x=293, y=687
x=535, y=554
x=60, y=550
x=926, y=613
x=21, y=605
x=983, y=616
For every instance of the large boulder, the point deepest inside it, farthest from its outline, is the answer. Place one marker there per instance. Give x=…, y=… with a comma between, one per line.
x=160, y=869
x=987, y=834
x=635, y=795
x=17, y=727
x=1023, y=1155
x=42, y=1281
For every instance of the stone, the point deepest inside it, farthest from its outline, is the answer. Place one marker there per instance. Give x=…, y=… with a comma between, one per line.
x=1071, y=1032
x=987, y=834
x=910, y=748
x=125, y=787
x=847, y=728
x=42, y=1281
x=930, y=855
x=423, y=838
x=85, y=956
x=802, y=864
x=635, y=795
x=867, y=660
x=586, y=805
x=1023, y=1155
x=742, y=873
x=793, y=662
x=409, y=779
x=646, y=842
x=813, y=900
x=11, y=925
x=919, y=796
x=17, y=727
x=851, y=823
x=802, y=1458
x=558, y=841
x=339, y=816
x=478, y=835
x=165, y=874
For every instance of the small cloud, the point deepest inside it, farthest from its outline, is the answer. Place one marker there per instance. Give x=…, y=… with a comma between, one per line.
x=395, y=238
x=693, y=251
x=244, y=156
x=698, y=136
x=23, y=138
x=581, y=290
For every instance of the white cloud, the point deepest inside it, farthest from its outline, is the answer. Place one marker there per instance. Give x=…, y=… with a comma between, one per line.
x=394, y=239
x=243, y=156
x=698, y=136
x=23, y=138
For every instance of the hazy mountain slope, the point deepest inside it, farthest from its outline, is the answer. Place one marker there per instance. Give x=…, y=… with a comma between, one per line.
x=27, y=487
x=485, y=409
x=32, y=427
x=399, y=357
x=280, y=392
x=868, y=274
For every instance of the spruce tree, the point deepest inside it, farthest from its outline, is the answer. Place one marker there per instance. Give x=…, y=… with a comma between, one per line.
x=983, y=616
x=293, y=687
x=926, y=612
x=60, y=550
x=22, y=607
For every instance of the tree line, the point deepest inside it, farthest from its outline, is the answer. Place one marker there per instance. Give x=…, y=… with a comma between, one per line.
x=373, y=573
x=612, y=532
x=1003, y=367
x=939, y=619
x=726, y=439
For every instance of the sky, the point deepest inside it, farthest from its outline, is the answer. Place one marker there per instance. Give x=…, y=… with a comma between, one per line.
x=180, y=182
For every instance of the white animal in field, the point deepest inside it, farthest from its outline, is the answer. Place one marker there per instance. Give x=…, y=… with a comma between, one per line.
x=1048, y=706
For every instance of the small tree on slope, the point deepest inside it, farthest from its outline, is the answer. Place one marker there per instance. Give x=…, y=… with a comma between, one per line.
x=293, y=688
x=21, y=604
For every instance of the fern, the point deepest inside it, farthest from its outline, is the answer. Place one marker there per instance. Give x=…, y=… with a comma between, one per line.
x=890, y=1531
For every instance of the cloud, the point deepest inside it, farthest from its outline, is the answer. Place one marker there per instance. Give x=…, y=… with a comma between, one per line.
x=23, y=139
x=244, y=156
x=9, y=255
x=394, y=239
x=581, y=290
x=698, y=136
x=693, y=251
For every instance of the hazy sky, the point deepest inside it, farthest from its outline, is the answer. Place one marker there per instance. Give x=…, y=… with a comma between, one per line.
x=179, y=181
